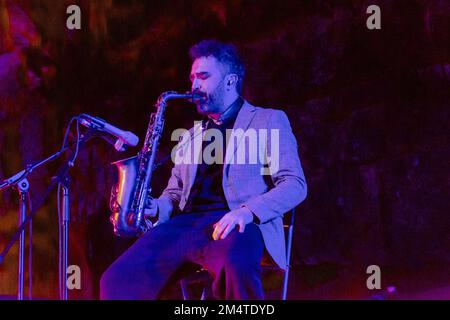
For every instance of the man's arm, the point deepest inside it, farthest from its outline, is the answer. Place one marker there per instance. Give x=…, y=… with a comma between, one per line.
x=289, y=185
x=289, y=181
x=170, y=197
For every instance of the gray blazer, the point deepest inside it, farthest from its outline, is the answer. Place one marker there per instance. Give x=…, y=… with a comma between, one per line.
x=267, y=196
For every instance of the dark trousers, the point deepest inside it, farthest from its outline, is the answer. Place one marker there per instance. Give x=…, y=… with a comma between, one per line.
x=146, y=267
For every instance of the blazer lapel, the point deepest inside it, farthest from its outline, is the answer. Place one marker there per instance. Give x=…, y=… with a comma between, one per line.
x=243, y=120
x=196, y=147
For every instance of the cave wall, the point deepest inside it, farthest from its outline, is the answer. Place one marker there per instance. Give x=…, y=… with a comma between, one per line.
x=369, y=109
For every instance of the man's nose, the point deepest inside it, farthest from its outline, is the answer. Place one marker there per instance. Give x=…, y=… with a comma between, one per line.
x=195, y=85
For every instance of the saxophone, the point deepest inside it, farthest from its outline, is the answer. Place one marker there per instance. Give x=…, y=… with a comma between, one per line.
x=130, y=195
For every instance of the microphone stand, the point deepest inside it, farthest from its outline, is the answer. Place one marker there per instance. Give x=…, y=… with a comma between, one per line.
x=64, y=229
x=23, y=187
x=20, y=179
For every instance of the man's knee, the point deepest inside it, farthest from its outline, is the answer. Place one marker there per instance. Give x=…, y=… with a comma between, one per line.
x=244, y=251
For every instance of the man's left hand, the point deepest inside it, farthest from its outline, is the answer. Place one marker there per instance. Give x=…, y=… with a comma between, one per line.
x=239, y=217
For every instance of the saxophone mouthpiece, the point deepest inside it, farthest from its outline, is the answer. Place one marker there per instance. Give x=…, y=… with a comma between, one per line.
x=197, y=97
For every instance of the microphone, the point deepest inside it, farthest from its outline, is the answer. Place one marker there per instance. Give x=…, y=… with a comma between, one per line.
x=124, y=138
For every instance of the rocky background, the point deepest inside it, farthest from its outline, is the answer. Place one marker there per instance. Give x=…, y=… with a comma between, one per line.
x=370, y=109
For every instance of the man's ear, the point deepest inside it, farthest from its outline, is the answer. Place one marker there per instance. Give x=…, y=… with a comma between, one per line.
x=231, y=79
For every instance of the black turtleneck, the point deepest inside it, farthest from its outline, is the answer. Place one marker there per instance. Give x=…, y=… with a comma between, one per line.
x=207, y=192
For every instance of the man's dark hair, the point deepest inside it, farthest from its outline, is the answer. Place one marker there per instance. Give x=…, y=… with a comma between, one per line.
x=225, y=53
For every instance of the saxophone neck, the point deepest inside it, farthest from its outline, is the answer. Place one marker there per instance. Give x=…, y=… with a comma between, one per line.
x=172, y=95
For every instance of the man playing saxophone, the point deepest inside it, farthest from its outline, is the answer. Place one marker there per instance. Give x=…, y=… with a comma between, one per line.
x=222, y=215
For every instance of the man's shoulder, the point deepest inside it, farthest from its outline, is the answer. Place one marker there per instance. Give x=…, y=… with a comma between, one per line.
x=266, y=112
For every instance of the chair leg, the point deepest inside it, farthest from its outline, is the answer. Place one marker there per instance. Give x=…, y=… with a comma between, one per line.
x=288, y=263
x=203, y=297
x=184, y=289
x=285, y=284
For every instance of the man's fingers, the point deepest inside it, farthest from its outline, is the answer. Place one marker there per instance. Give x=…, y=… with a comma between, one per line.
x=217, y=231
x=151, y=211
x=241, y=226
x=223, y=227
x=228, y=222
x=218, y=223
x=150, y=203
x=220, y=228
x=227, y=230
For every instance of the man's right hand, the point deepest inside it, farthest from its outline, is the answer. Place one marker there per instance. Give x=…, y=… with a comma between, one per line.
x=151, y=208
